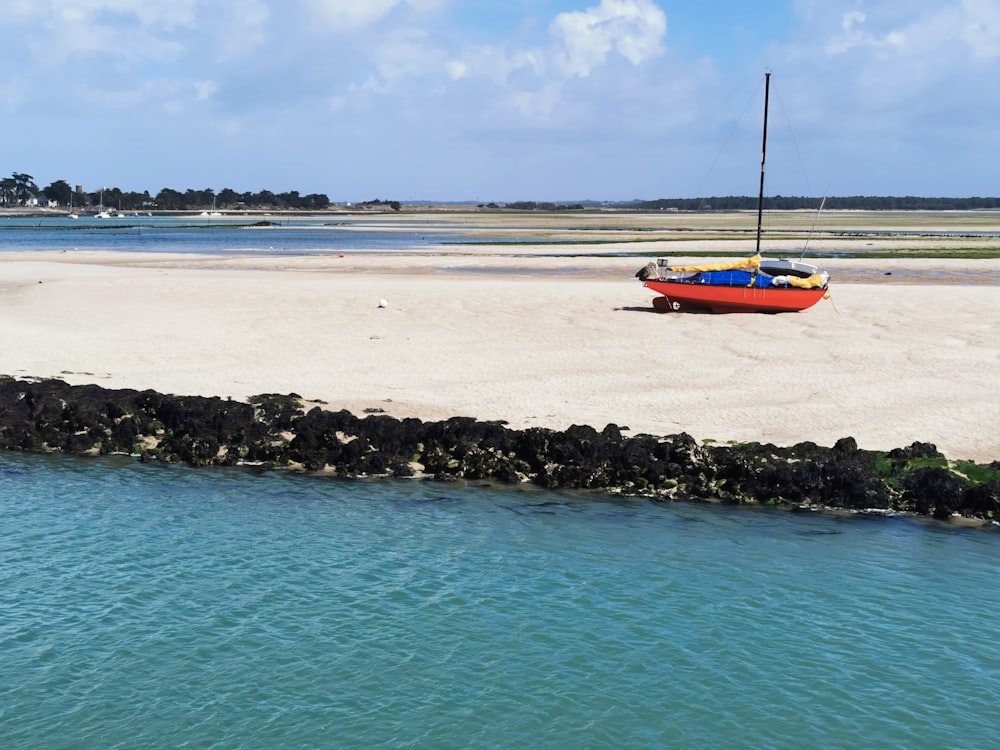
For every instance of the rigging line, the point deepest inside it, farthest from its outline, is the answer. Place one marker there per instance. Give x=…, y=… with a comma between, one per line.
x=815, y=222
x=805, y=174
x=795, y=143
x=802, y=166
x=725, y=144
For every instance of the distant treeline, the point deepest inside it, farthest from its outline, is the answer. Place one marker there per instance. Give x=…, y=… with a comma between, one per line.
x=20, y=190
x=535, y=206
x=191, y=200
x=791, y=203
x=173, y=200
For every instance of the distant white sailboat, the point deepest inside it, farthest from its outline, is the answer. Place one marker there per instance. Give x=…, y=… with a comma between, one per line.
x=101, y=213
x=213, y=212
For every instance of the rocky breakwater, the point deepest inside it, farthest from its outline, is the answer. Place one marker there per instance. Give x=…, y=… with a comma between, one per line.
x=284, y=432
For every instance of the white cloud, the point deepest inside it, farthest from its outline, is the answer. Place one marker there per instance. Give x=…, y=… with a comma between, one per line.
x=204, y=89
x=347, y=15
x=530, y=80
x=974, y=25
x=535, y=105
x=20, y=11
x=167, y=14
x=127, y=30
x=427, y=6
x=632, y=28
x=495, y=63
x=351, y=15
x=407, y=54
x=456, y=70
x=854, y=34
x=876, y=72
x=243, y=28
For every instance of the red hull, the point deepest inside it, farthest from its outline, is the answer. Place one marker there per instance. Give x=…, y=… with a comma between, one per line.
x=679, y=296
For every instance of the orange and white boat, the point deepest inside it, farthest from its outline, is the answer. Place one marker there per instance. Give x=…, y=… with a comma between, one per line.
x=753, y=284
x=749, y=285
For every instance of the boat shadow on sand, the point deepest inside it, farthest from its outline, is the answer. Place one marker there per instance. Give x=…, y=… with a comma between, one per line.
x=680, y=311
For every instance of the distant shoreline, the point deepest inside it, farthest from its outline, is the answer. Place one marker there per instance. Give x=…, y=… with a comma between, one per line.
x=972, y=235
x=460, y=207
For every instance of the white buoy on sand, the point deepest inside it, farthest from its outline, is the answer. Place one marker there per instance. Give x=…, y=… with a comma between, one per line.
x=383, y=303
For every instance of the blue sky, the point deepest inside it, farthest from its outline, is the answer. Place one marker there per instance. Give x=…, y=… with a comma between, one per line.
x=502, y=101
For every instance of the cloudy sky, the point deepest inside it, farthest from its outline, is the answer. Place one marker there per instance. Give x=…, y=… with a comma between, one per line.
x=503, y=100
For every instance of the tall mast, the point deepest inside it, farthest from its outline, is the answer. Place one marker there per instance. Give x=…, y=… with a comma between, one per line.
x=763, y=156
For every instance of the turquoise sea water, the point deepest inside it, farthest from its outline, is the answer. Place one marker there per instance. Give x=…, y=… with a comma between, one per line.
x=145, y=606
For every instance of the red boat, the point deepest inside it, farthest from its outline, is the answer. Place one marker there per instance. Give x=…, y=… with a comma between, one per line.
x=749, y=285
x=719, y=299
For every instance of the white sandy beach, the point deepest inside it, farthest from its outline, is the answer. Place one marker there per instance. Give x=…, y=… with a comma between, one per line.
x=532, y=341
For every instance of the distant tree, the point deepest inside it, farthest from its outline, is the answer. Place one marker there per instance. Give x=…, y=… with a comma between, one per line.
x=17, y=189
x=394, y=205
x=198, y=198
x=169, y=200
x=132, y=201
x=20, y=187
x=263, y=199
x=227, y=197
x=113, y=198
x=8, y=191
x=106, y=197
x=288, y=200
x=59, y=191
x=315, y=202
x=24, y=187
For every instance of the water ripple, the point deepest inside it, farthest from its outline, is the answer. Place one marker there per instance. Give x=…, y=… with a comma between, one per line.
x=163, y=607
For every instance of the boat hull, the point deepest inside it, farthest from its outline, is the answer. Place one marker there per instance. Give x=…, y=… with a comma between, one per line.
x=680, y=296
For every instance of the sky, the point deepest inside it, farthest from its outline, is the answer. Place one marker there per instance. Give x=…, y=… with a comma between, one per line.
x=504, y=100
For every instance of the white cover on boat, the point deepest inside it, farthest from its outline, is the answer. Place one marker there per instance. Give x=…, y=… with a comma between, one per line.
x=786, y=267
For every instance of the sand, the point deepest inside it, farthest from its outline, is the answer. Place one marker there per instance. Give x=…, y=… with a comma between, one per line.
x=549, y=342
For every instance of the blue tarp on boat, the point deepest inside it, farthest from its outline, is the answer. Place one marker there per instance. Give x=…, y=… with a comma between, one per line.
x=731, y=278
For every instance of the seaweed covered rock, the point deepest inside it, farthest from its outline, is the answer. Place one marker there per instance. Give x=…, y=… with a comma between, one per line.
x=276, y=430
x=933, y=490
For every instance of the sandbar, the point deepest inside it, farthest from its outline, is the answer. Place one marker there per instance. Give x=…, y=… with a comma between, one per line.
x=902, y=351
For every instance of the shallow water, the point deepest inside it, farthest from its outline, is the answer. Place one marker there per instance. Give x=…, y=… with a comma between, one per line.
x=160, y=234
x=151, y=606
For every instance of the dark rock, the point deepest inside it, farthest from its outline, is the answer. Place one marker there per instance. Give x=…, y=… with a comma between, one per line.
x=933, y=490
x=983, y=500
x=914, y=451
x=275, y=431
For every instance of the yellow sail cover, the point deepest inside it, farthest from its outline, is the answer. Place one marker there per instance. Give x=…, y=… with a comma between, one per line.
x=751, y=264
x=747, y=264
x=816, y=280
